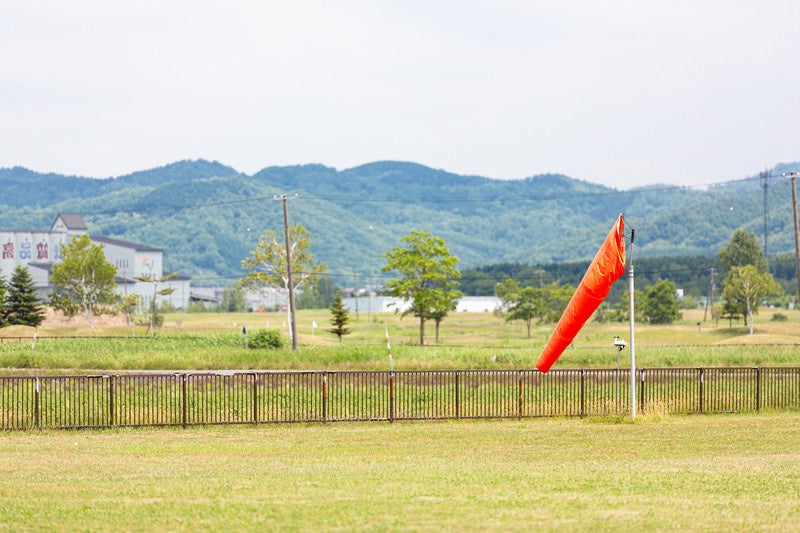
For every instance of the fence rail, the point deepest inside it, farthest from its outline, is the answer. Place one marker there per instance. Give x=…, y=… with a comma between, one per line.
x=184, y=399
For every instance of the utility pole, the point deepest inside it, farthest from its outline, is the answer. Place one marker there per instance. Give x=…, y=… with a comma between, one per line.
x=711, y=298
x=793, y=174
x=765, y=186
x=290, y=283
x=356, y=293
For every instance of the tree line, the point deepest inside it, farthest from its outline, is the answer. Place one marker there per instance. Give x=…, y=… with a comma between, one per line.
x=429, y=280
x=426, y=277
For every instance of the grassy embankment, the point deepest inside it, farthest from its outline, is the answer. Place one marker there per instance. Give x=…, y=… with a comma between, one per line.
x=467, y=340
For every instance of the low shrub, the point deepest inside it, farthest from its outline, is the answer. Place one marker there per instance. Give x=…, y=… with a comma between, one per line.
x=265, y=339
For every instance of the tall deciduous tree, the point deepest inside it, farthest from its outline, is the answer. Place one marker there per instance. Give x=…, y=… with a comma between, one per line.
x=234, y=300
x=267, y=264
x=519, y=303
x=22, y=306
x=428, y=273
x=544, y=303
x=742, y=250
x=83, y=280
x=745, y=284
x=445, y=299
x=622, y=311
x=661, y=303
x=318, y=296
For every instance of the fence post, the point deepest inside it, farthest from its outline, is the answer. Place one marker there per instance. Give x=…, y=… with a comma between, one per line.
x=324, y=396
x=702, y=409
x=255, y=397
x=110, y=400
x=391, y=396
x=641, y=392
x=519, y=395
x=37, y=406
x=458, y=394
x=758, y=388
x=583, y=394
x=185, y=407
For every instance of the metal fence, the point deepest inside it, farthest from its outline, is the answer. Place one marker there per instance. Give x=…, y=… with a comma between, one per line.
x=184, y=399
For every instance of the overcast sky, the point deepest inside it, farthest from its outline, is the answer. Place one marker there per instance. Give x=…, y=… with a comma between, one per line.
x=620, y=93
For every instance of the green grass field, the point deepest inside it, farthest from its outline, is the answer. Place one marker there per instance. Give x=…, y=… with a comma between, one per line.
x=190, y=341
x=699, y=473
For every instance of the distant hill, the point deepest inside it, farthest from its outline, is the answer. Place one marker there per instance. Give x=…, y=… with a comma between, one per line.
x=208, y=216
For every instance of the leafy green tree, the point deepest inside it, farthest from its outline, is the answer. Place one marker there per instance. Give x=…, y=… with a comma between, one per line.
x=22, y=306
x=661, y=303
x=743, y=249
x=445, y=299
x=320, y=295
x=544, y=304
x=731, y=311
x=233, y=300
x=622, y=311
x=427, y=271
x=83, y=280
x=267, y=265
x=747, y=285
x=339, y=317
x=555, y=298
x=519, y=303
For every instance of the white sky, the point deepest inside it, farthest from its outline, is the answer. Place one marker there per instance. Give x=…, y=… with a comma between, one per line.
x=620, y=93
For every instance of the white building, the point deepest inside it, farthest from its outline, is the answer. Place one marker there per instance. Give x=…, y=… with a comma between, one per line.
x=141, y=261
x=38, y=250
x=264, y=298
x=388, y=304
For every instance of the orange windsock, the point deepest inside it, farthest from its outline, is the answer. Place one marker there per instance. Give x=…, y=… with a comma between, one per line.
x=606, y=268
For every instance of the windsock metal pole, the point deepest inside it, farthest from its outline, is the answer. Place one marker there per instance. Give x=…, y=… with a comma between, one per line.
x=389, y=349
x=632, y=344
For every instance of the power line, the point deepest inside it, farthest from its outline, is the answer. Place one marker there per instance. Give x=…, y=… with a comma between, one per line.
x=528, y=198
x=423, y=200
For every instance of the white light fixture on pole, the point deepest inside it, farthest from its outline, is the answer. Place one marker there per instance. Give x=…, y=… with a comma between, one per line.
x=631, y=341
x=620, y=345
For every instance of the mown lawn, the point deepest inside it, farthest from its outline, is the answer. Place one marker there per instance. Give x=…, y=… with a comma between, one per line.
x=699, y=473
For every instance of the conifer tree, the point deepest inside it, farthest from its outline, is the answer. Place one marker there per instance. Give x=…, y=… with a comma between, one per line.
x=340, y=317
x=22, y=305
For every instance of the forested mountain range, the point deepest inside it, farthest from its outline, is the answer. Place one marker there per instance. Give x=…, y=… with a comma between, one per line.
x=208, y=216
